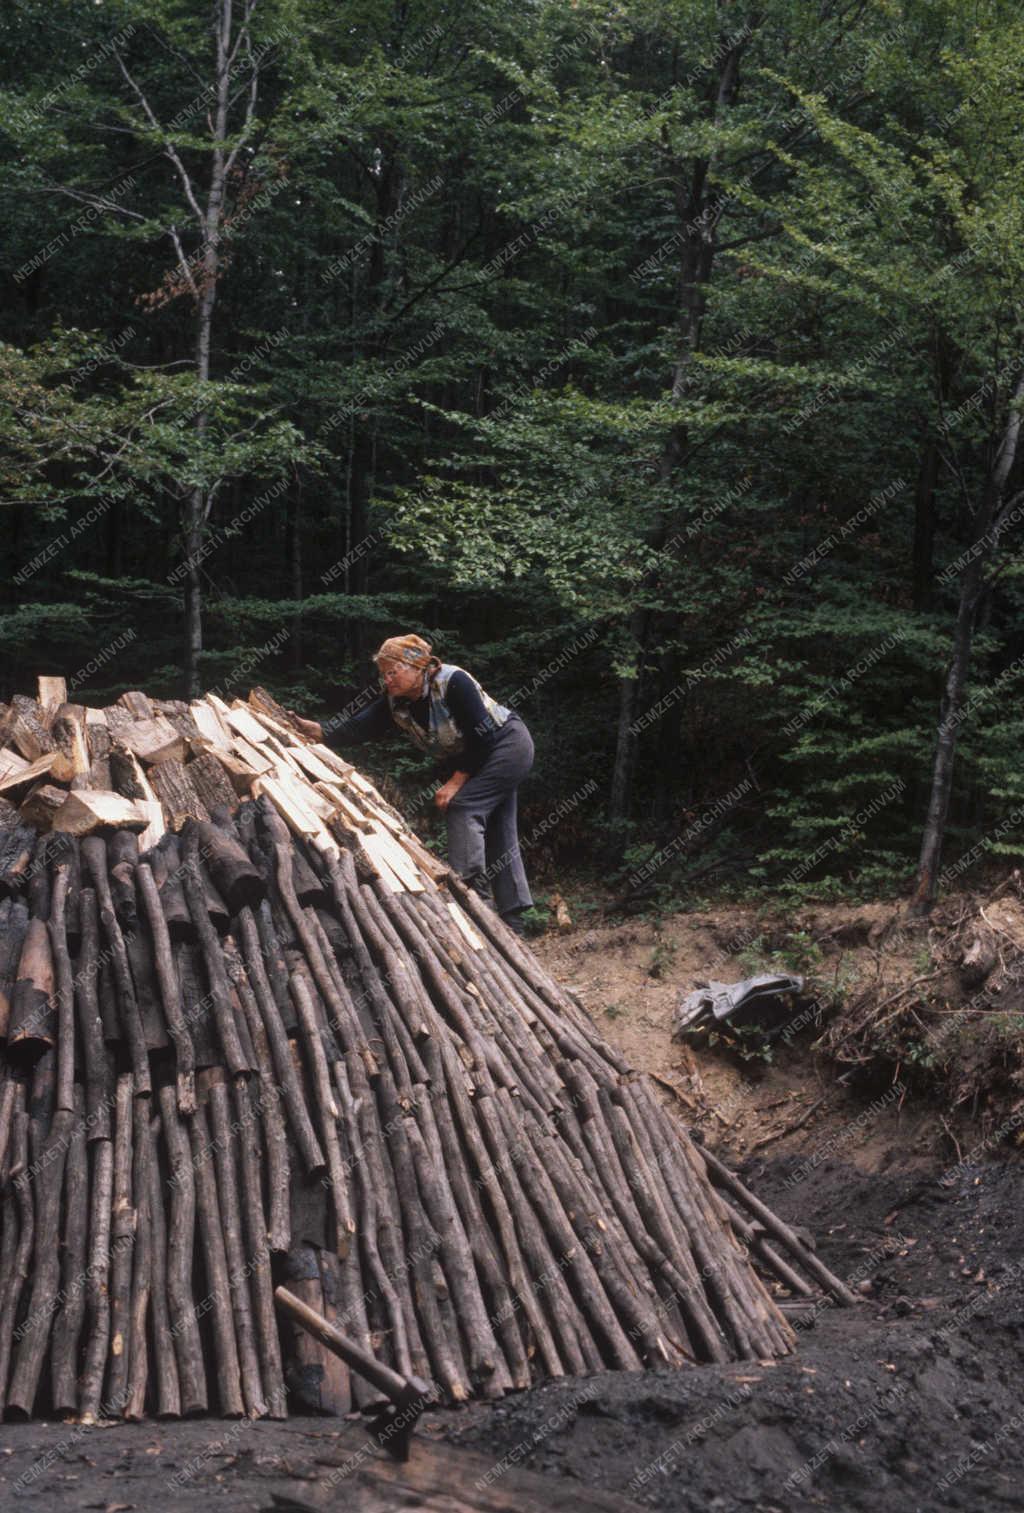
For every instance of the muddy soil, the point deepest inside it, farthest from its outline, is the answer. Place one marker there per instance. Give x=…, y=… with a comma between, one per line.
x=912, y=1400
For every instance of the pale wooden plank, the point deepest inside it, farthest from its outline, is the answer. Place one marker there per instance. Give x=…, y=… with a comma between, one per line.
x=296, y=814
x=11, y=762
x=52, y=693
x=398, y=861
x=463, y=924
x=258, y=760
x=210, y=725
x=313, y=765
x=21, y=778
x=244, y=723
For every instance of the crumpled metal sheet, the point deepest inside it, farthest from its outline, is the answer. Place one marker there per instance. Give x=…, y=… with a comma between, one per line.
x=721, y=1000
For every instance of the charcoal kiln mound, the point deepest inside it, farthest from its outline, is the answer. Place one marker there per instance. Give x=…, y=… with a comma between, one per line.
x=255, y=1033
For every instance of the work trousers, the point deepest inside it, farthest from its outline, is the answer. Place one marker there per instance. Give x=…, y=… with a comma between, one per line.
x=483, y=837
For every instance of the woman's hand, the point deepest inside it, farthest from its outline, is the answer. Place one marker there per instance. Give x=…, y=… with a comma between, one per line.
x=445, y=794
x=309, y=728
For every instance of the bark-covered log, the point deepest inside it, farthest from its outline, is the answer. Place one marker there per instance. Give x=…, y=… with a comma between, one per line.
x=122, y=1245
x=99, y=1077
x=327, y=1111
x=142, y=1267
x=218, y=1288
x=165, y=1366
x=165, y=862
x=18, y=843
x=269, y=1109
x=422, y=1242
x=258, y=1241
x=213, y=961
x=67, y=1326
x=33, y=1018
x=42, y=804
x=211, y=783
x=777, y=1228
x=147, y=991
x=237, y=880
x=71, y=735
x=18, y=1210
x=28, y=732
x=172, y=783
x=122, y=859
x=170, y=988
x=13, y=925
x=309, y=888
x=240, y=1264
x=33, y=1333
x=97, y=1296
x=94, y=855
x=280, y=1049
x=181, y=1226
x=100, y=775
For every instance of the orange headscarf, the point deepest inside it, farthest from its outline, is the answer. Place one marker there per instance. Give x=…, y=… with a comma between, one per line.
x=412, y=650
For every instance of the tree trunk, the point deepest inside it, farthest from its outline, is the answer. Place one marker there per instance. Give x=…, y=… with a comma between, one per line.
x=924, y=525
x=197, y=507
x=927, y=478
x=989, y=523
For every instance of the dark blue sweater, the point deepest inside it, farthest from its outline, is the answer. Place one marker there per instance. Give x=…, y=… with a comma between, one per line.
x=468, y=712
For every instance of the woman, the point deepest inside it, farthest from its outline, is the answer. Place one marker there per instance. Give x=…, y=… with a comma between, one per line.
x=484, y=751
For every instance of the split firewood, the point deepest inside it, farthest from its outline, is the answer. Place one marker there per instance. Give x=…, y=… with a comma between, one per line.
x=86, y=811
x=42, y=804
x=70, y=732
x=28, y=732
x=172, y=783
x=52, y=694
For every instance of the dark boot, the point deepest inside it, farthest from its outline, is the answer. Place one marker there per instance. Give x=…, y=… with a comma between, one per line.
x=514, y=919
x=481, y=885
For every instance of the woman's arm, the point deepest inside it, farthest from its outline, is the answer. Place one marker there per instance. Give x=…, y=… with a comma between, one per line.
x=368, y=725
x=348, y=730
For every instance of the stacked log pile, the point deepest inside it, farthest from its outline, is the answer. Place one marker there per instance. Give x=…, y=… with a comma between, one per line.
x=254, y=1032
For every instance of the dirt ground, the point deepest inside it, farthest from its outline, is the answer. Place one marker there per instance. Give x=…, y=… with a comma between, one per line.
x=911, y=1400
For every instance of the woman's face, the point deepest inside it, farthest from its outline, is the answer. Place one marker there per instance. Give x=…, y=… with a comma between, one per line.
x=400, y=679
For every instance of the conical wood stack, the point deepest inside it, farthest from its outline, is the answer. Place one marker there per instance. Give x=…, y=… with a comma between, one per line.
x=254, y=1032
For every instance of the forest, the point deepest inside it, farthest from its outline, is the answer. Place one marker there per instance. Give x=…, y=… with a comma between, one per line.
x=660, y=361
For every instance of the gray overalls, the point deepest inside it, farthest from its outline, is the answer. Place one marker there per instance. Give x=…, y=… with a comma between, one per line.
x=483, y=837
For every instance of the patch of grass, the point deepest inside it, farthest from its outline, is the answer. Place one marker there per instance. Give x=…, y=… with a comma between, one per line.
x=536, y=919
x=748, y=1041
x=798, y=952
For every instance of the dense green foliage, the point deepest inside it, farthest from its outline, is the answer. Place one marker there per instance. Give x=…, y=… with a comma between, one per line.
x=650, y=357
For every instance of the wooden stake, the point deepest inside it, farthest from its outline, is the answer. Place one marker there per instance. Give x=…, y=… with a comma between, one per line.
x=168, y=1389
x=181, y=1226
x=67, y=1326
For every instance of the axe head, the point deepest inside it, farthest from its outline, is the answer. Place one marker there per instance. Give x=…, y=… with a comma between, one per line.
x=393, y=1423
